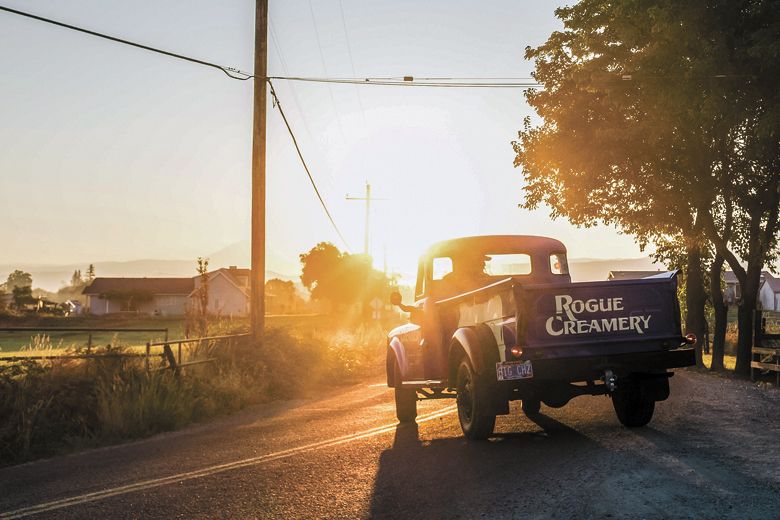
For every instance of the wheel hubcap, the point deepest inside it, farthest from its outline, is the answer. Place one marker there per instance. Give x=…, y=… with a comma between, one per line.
x=465, y=397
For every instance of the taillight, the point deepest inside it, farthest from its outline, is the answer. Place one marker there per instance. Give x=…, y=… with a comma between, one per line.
x=690, y=339
x=516, y=351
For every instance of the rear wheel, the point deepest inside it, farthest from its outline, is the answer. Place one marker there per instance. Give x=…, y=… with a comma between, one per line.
x=405, y=399
x=632, y=409
x=476, y=420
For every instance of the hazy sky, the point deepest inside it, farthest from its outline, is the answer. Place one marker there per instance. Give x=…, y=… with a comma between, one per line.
x=114, y=153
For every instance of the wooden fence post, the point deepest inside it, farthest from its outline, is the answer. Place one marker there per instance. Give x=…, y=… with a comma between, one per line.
x=168, y=353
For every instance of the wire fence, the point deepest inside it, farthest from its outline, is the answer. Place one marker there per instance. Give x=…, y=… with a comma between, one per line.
x=170, y=360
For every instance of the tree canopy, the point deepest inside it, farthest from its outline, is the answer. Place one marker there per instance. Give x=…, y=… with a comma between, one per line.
x=662, y=117
x=18, y=278
x=341, y=278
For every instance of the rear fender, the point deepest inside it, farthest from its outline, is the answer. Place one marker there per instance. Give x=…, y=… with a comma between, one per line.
x=478, y=344
x=464, y=344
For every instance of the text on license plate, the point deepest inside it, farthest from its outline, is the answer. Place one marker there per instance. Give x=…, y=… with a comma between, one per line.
x=514, y=370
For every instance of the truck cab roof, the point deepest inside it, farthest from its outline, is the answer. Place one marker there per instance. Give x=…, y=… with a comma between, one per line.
x=536, y=259
x=495, y=244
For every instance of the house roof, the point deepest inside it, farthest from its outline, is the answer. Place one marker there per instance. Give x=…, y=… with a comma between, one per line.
x=182, y=286
x=232, y=275
x=769, y=279
x=631, y=275
x=235, y=274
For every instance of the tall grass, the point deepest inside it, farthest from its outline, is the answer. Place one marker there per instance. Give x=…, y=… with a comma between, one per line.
x=55, y=406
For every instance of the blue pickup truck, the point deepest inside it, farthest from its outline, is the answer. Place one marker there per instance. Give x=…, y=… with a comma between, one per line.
x=497, y=319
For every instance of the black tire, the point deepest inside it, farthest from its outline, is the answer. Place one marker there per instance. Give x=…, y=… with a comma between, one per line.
x=632, y=410
x=476, y=421
x=405, y=399
x=531, y=407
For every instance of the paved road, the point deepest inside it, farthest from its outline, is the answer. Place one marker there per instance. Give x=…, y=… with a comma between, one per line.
x=711, y=452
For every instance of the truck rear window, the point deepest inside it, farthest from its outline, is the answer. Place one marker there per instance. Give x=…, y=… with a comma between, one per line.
x=508, y=264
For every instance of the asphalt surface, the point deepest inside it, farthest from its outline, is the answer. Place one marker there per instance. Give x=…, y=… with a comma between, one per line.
x=712, y=451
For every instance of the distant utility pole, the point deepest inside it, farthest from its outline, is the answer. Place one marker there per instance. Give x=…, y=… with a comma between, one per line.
x=257, y=303
x=368, y=200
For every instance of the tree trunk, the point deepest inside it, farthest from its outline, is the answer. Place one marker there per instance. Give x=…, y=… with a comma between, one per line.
x=721, y=314
x=747, y=308
x=695, y=298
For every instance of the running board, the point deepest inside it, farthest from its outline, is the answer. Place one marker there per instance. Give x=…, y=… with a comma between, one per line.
x=424, y=384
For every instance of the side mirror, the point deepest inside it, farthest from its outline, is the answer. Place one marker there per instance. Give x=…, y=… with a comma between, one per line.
x=395, y=298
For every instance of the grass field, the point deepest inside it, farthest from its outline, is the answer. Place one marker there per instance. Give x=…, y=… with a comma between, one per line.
x=19, y=343
x=729, y=362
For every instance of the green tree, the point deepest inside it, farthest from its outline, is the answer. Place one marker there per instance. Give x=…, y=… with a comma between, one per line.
x=76, y=280
x=643, y=126
x=341, y=278
x=90, y=273
x=18, y=278
x=22, y=296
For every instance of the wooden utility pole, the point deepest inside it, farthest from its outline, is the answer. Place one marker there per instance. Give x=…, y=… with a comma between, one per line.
x=257, y=304
x=367, y=200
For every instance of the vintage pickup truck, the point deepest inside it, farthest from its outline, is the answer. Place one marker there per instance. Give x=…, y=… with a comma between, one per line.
x=497, y=318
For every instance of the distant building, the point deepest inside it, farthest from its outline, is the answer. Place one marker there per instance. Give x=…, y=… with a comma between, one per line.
x=156, y=296
x=631, y=275
x=229, y=291
x=768, y=293
x=229, y=294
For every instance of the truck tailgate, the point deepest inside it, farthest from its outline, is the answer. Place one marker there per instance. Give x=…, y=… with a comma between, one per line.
x=598, y=318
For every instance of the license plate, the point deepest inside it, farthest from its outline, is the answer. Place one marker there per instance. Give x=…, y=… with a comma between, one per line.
x=514, y=370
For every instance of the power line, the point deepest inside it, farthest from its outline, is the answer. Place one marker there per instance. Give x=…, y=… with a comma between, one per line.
x=306, y=167
x=283, y=62
x=351, y=60
x=409, y=81
x=325, y=69
x=231, y=72
x=237, y=74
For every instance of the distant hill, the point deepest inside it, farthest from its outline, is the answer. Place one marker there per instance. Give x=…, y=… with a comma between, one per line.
x=52, y=277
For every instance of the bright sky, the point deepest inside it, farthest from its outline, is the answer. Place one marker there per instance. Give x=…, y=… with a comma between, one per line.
x=114, y=153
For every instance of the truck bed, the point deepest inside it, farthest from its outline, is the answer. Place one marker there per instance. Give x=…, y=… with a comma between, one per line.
x=598, y=318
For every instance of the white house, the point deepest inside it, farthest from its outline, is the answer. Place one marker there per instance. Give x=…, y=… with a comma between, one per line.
x=157, y=296
x=768, y=293
x=228, y=294
x=229, y=291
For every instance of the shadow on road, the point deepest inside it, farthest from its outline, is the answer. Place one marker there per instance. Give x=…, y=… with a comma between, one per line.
x=427, y=478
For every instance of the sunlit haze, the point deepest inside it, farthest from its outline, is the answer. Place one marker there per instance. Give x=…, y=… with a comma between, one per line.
x=114, y=153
